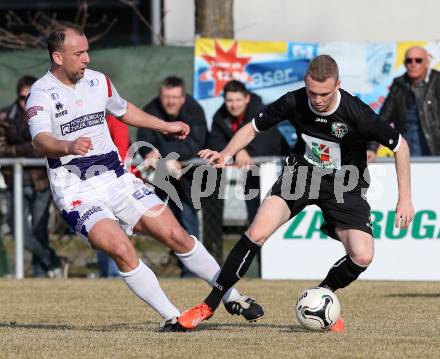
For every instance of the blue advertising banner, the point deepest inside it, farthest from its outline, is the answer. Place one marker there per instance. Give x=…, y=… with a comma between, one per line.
x=270, y=69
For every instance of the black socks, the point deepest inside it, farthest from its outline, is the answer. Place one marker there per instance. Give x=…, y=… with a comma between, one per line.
x=236, y=265
x=343, y=272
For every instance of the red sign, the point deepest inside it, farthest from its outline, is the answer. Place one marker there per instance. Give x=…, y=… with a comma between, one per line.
x=224, y=67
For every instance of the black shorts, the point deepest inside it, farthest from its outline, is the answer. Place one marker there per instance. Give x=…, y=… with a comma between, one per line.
x=347, y=210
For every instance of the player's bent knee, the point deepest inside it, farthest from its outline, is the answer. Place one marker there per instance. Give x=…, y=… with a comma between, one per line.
x=122, y=251
x=363, y=259
x=178, y=236
x=256, y=236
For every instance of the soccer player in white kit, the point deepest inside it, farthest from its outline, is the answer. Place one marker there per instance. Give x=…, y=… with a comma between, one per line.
x=92, y=188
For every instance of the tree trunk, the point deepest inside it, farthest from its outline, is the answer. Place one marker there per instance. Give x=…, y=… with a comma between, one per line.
x=214, y=18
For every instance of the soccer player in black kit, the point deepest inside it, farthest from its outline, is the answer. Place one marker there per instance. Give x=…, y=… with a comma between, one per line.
x=327, y=167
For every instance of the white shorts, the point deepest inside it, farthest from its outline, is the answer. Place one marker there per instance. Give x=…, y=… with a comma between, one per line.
x=126, y=199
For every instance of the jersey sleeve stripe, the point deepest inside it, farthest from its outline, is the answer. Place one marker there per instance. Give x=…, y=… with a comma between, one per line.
x=109, y=86
x=395, y=149
x=254, y=125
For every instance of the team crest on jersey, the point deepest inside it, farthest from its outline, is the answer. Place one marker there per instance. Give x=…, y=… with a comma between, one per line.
x=60, y=108
x=93, y=82
x=339, y=129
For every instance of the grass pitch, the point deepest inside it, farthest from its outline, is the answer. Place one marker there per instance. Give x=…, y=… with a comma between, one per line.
x=80, y=318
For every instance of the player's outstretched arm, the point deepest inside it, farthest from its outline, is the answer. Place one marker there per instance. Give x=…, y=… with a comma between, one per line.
x=50, y=147
x=404, y=208
x=138, y=118
x=239, y=141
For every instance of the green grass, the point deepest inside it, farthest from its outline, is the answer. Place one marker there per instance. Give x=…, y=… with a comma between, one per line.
x=80, y=318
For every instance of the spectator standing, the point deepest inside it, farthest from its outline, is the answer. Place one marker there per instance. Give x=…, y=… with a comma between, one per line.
x=36, y=193
x=4, y=263
x=413, y=104
x=173, y=104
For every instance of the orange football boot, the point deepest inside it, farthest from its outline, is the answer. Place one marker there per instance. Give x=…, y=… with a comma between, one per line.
x=192, y=317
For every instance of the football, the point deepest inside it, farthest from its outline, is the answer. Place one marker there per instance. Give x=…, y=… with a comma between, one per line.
x=317, y=309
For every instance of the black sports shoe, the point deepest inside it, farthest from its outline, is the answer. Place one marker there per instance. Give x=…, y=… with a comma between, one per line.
x=247, y=307
x=170, y=326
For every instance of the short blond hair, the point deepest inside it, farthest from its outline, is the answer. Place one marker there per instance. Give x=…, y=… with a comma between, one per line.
x=323, y=67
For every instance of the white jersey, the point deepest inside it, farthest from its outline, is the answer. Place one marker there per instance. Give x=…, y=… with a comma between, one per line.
x=68, y=113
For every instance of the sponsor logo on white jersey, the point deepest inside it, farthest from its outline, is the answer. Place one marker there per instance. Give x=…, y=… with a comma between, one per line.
x=79, y=123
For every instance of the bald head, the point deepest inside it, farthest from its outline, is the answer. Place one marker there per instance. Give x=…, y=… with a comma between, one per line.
x=416, y=63
x=416, y=51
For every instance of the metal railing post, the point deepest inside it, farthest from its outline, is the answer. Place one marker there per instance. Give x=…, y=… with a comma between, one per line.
x=18, y=220
x=155, y=11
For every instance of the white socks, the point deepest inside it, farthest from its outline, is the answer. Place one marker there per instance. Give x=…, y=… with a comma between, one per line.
x=143, y=282
x=203, y=265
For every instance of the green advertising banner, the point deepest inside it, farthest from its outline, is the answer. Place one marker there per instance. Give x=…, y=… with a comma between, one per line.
x=299, y=250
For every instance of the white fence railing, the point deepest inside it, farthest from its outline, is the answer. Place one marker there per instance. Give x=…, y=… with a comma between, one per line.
x=19, y=163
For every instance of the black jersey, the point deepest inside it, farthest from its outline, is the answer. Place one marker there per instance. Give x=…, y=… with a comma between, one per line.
x=333, y=139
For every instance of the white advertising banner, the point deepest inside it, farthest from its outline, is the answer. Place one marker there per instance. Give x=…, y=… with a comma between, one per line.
x=299, y=250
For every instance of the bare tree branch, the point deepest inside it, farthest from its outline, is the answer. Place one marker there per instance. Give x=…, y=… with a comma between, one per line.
x=42, y=25
x=103, y=33
x=132, y=4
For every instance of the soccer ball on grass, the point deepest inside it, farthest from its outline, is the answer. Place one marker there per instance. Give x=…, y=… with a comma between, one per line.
x=317, y=309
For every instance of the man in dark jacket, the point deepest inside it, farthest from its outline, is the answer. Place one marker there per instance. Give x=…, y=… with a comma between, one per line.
x=173, y=104
x=16, y=142
x=413, y=104
x=238, y=109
